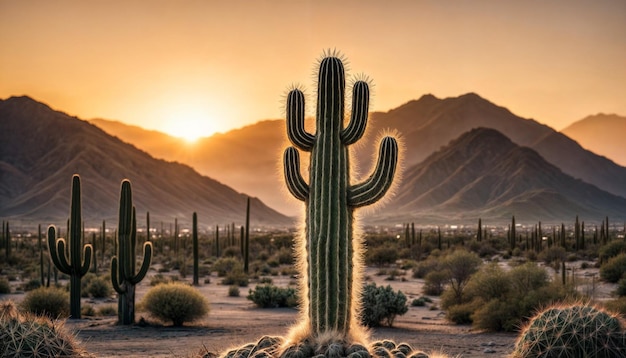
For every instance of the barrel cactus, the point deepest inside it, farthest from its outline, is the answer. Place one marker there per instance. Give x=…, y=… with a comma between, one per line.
x=328, y=250
x=578, y=330
x=28, y=335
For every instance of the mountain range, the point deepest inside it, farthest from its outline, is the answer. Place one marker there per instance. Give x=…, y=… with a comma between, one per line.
x=452, y=170
x=424, y=126
x=484, y=174
x=602, y=134
x=40, y=150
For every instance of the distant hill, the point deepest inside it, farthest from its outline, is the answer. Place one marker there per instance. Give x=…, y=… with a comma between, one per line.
x=424, y=126
x=430, y=123
x=247, y=159
x=602, y=134
x=40, y=150
x=484, y=174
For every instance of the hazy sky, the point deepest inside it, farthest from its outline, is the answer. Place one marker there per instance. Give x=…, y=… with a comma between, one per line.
x=209, y=66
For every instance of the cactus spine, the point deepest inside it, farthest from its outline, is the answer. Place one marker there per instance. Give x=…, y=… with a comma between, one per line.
x=332, y=250
x=76, y=266
x=123, y=275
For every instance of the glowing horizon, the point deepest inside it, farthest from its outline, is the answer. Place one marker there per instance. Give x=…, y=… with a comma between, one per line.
x=193, y=68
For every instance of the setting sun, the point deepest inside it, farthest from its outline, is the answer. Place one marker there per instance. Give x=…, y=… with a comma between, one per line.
x=188, y=121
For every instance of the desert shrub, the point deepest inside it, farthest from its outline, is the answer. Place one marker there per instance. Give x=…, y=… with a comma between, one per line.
x=285, y=256
x=236, y=277
x=266, y=280
x=159, y=279
x=225, y=265
x=4, y=286
x=553, y=255
x=613, y=270
x=99, y=287
x=32, y=284
x=462, y=313
x=489, y=282
x=611, y=249
x=87, y=310
x=232, y=251
x=621, y=286
x=435, y=283
x=495, y=315
x=270, y=296
x=500, y=300
x=381, y=305
x=618, y=305
x=107, y=310
x=28, y=335
x=459, y=266
x=424, y=267
x=420, y=302
x=49, y=301
x=175, y=302
x=383, y=255
x=233, y=291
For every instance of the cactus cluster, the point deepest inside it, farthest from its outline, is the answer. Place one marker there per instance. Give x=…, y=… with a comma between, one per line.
x=269, y=346
x=75, y=266
x=578, y=330
x=27, y=335
x=123, y=276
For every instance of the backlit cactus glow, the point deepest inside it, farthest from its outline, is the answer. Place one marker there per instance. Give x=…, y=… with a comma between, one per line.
x=332, y=252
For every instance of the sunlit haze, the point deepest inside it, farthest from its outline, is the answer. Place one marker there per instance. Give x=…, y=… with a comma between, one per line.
x=191, y=68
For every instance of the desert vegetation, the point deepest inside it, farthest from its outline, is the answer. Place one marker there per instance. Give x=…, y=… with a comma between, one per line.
x=490, y=278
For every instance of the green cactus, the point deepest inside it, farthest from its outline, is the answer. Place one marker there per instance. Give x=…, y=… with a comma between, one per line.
x=577, y=330
x=246, y=239
x=194, y=234
x=29, y=335
x=7, y=240
x=123, y=275
x=75, y=266
x=332, y=249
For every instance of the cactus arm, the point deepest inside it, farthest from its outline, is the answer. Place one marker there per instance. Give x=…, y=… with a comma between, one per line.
x=115, y=281
x=375, y=187
x=295, y=183
x=57, y=251
x=145, y=266
x=295, y=121
x=87, y=255
x=358, y=121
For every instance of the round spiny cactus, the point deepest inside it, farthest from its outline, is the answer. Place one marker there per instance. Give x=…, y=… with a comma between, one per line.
x=578, y=330
x=273, y=347
x=28, y=335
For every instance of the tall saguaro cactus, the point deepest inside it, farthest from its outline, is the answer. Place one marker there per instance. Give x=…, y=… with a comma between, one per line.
x=75, y=266
x=123, y=275
x=333, y=253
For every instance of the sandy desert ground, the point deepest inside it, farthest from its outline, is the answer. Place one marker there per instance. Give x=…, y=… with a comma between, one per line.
x=234, y=321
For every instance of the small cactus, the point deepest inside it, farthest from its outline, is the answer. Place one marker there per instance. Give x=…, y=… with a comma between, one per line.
x=578, y=330
x=75, y=266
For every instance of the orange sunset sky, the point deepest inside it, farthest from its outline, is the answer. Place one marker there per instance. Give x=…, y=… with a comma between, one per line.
x=204, y=66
